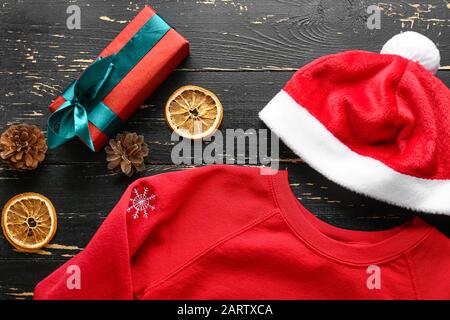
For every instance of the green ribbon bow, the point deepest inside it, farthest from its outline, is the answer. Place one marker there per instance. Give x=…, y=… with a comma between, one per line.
x=71, y=119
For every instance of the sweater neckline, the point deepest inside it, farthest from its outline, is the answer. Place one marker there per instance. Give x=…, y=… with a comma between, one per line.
x=350, y=246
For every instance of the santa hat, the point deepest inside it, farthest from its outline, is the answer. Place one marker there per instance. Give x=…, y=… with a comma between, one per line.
x=378, y=124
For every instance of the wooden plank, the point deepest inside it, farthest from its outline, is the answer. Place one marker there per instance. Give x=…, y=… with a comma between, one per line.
x=19, y=277
x=224, y=34
x=243, y=95
x=85, y=193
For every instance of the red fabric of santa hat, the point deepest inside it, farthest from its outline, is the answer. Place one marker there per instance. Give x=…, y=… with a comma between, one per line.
x=378, y=124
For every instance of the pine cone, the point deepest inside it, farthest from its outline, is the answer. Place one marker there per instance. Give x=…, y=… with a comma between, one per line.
x=23, y=146
x=126, y=152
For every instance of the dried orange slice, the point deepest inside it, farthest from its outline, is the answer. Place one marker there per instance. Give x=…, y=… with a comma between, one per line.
x=194, y=112
x=29, y=221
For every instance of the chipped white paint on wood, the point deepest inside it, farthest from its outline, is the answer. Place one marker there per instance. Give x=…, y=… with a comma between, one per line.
x=108, y=19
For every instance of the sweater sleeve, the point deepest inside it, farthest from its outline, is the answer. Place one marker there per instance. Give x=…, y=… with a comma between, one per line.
x=102, y=270
x=159, y=224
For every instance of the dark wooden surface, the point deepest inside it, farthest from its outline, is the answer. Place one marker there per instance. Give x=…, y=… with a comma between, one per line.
x=244, y=50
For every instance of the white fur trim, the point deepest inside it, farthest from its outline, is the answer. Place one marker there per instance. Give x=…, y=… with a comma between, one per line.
x=309, y=139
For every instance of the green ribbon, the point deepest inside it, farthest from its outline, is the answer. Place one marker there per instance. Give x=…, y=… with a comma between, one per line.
x=84, y=96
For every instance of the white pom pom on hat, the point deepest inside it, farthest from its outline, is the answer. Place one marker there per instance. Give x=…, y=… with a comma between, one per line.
x=416, y=47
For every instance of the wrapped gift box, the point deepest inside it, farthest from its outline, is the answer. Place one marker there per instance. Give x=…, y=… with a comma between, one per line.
x=125, y=73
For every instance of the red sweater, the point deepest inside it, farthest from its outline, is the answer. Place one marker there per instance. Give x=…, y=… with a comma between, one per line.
x=226, y=232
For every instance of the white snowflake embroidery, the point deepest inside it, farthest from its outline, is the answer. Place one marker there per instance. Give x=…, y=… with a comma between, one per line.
x=141, y=203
